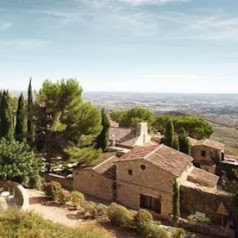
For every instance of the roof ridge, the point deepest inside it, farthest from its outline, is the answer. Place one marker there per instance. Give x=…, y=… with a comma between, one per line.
x=206, y=140
x=153, y=151
x=103, y=162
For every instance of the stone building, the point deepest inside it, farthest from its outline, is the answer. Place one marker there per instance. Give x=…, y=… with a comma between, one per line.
x=203, y=152
x=129, y=137
x=142, y=178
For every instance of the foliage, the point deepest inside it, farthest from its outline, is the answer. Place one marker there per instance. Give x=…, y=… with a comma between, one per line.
x=21, y=126
x=178, y=233
x=6, y=116
x=94, y=210
x=17, y=162
x=52, y=190
x=63, y=196
x=199, y=219
x=143, y=216
x=30, y=123
x=184, y=144
x=152, y=230
x=87, y=155
x=130, y=118
x=76, y=198
x=63, y=121
x=176, y=202
x=120, y=216
x=195, y=127
x=103, y=137
x=169, y=138
x=20, y=224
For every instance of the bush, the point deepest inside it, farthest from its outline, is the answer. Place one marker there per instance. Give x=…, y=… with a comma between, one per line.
x=152, y=230
x=15, y=223
x=120, y=216
x=143, y=216
x=199, y=219
x=76, y=198
x=63, y=196
x=94, y=210
x=35, y=182
x=52, y=190
x=178, y=233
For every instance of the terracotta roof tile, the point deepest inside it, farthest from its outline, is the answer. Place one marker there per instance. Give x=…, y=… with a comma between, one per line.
x=207, y=142
x=162, y=156
x=203, y=177
x=123, y=136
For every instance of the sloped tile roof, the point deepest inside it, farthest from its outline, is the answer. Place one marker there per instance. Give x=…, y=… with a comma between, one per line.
x=207, y=142
x=162, y=156
x=203, y=177
x=123, y=136
x=107, y=167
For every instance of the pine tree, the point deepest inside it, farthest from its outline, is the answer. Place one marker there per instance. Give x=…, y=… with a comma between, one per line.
x=184, y=145
x=30, y=125
x=103, y=137
x=7, y=128
x=169, y=134
x=176, y=202
x=21, y=129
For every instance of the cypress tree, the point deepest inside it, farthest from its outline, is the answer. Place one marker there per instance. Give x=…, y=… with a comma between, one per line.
x=169, y=134
x=1, y=95
x=176, y=202
x=184, y=145
x=103, y=137
x=7, y=128
x=20, y=131
x=30, y=125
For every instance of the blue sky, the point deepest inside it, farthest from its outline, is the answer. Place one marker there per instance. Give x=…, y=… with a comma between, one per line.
x=121, y=45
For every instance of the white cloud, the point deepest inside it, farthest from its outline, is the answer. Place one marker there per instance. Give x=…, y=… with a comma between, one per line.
x=4, y=25
x=150, y=2
x=24, y=44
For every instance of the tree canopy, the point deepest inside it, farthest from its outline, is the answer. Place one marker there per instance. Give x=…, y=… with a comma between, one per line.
x=63, y=121
x=129, y=118
x=17, y=162
x=195, y=127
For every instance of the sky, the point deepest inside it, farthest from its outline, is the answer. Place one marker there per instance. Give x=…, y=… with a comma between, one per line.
x=175, y=46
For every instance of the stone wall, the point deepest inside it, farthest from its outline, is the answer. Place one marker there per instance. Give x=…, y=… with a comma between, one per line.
x=193, y=199
x=207, y=159
x=150, y=181
x=20, y=194
x=90, y=182
x=67, y=183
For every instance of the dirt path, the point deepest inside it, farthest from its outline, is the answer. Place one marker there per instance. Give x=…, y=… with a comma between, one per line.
x=55, y=214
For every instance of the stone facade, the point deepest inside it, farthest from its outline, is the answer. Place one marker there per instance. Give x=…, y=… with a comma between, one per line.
x=130, y=187
x=203, y=152
x=90, y=182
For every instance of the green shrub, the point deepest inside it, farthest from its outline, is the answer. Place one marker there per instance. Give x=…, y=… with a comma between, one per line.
x=63, y=196
x=35, y=182
x=94, y=210
x=20, y=224
x=76, y=198
x=143, y=216
x=199, y=219
x=120, y=216
x=152, y=230
x=52, y=190
x=178, y=233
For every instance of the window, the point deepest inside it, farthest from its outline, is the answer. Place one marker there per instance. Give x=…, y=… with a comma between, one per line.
x=130, y=171
x=203, y=153
x=151, y=203
x=143, y=167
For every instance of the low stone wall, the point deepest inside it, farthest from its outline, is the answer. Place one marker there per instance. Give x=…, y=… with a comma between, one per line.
x=20, y=194
x=210, y=231
x=67, y=183
x=193, y=200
